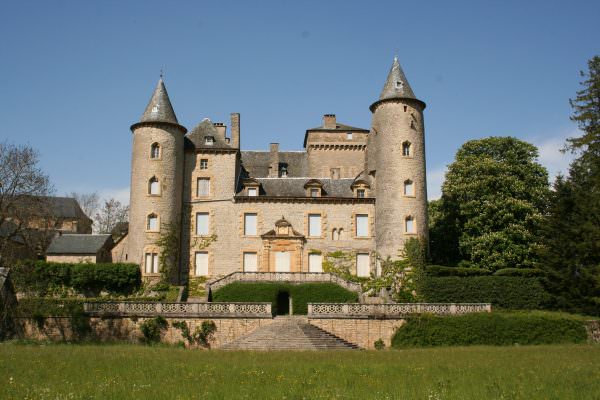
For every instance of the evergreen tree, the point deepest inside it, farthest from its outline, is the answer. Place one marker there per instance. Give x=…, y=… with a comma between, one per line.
x=571, y=236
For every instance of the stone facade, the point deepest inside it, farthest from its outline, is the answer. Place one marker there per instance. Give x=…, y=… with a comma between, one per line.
x=363, y=187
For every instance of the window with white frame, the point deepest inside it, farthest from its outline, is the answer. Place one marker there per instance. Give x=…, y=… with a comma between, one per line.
x=349, y=135
x=315, y=263
x=409, y=188
x=154, y=186
x=314, y=225
x=152, y=223
x=362, y=225
x=252, y=192
x=250, y=262
x=409, y=225
x=362, y=264
x=203, y=187
x=151, y=263
x=204, y=163
x=155, y=150
x=202, y=223
x=201, y=265
x=250, y=228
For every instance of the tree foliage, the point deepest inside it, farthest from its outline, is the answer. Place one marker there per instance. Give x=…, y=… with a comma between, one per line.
x=492, y=204
x=571, y=235
x=111, y=214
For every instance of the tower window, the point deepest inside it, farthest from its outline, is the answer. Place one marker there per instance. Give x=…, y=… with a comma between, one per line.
x=406, y=149
x=204, y=163
x=152, y=223
x=155, y=150
x=151, y=263
x=154, y=186
x=409, y=225
x=409, y=188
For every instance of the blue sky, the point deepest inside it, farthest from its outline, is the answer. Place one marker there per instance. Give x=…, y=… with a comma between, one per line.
x=76, y=74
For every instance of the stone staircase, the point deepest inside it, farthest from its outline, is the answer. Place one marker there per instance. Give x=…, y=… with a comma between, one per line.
x=289, y=333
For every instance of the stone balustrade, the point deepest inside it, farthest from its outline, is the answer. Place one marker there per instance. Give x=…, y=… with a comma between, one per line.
x=393, y=310
x=292, y=277
x=179, y=310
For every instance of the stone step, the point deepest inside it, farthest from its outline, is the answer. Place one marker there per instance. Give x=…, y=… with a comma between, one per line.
x=289, y=333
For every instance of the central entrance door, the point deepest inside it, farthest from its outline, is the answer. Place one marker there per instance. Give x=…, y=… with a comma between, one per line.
x=282, y=261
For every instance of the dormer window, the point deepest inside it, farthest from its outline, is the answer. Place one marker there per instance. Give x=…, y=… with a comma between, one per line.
x=252, y=192
x=399, y=84
x=314, y=188
x=315, y=192
x=155, y=150
x=209, y=140
x=283, y=171
x=361, y=193
x=360, y=187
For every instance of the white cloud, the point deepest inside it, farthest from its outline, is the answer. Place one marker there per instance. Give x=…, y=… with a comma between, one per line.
x=550, y=154
x=120, y=194
x=435, y=179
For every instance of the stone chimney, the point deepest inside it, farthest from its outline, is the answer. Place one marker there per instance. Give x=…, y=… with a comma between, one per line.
x=221, y=129
x=274, y=160
x=235, y=130
x=329, y=121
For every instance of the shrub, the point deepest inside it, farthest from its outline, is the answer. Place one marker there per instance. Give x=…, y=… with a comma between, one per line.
x=152, y=328
x=440, y=270
x=301, y=294
x=499, y=329
x=379, y=345
x=501, y=291
x=524, y=272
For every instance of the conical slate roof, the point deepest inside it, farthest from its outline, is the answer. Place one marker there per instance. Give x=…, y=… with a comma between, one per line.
x=159, y=108
x=396, y=84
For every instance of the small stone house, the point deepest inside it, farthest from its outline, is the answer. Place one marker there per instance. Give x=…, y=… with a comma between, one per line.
x=80, y=248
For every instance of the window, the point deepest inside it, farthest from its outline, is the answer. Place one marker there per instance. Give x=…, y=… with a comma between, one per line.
x=335, y=173
x=314, y=225
x=250, y=262
x=360, y=193
x=334, y=234
x=362, y=264
x=151, y=263
x=406, y=149
x=203, y=189
x=315, y=263
x=209, y=140
x=252, y=192
x=155, y=150
x=204, y=163
x=153, y=186
x=202, y=223
x=349, y=135
x=152, y=224
x=201, y=263
x=250, y=224
x=362, y=225
x=315, y=192
x=282, y=261
x=283, y=170
x=399, y=84
x=409, y=188
x=409, y=225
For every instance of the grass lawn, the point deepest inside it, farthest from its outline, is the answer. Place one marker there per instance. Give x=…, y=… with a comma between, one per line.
x=29, y=371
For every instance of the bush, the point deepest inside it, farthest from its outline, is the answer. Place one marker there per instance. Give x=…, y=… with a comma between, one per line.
x=49, y=278
x=524, y=272
x=440, y=270
x=301, y=294
x=152, y=328
x=379, y=345
x=499, y=329
x=501, y=291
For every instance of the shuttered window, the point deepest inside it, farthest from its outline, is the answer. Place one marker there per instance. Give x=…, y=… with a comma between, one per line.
x=250, y=262
x=315, y=263
x=362, y=264
x=203, y=187
x=314, y=225
x=202, y=223
x=201, y=263
x=250, y=224
x=362, y=225
x=282, y=261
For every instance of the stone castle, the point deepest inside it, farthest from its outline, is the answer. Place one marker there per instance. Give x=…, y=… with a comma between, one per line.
x=361, y=191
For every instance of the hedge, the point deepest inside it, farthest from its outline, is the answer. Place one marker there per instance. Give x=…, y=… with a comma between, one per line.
x=301, y=294
x=524, y=272
x=502, y=291
x=43, y=277
x=440, y=270
x=499, y=329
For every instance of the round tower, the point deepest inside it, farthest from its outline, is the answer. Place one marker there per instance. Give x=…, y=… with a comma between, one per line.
x=398, y=158
x=156, y=179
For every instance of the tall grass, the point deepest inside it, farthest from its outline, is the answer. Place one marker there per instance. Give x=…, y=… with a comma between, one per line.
x=129, y=371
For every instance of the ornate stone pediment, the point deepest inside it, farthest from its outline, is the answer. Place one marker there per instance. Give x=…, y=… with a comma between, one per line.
x=283, y=230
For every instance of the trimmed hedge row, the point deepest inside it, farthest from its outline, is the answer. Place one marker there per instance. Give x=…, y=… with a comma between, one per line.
x=502, y=291
x=301, y=294
x=441, y=270
x=43, y=277
x=498, y=329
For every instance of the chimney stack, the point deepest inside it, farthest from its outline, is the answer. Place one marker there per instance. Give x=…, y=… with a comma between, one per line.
x=221, y=129
x=235, y=130
x=329, y=121
x=274, y=160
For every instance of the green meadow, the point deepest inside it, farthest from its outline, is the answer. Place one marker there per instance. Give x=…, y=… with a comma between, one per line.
x=63, y=371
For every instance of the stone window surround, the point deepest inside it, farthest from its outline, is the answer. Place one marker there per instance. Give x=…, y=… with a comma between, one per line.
x=209, y=271
x=361, y=186
x=324, y=226
x=259, y=223
x=411, y=149
x=153, y=249
x=211, y=222
x=250, y=250
x=159, y=187
x=203, y=158
x=160, y=152
x=414, y=195
x=157, y=222
x=414, y=225
x=362, y=251
x=370, y=225
x=211, y=190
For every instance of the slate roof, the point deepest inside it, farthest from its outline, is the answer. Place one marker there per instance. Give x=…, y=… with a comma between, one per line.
x=77, y=244
x=66, y=207
x=294, y=187
x=196, y=137
x=256, y=163
x=338, y=127
x=396, y=85
x=159, y=109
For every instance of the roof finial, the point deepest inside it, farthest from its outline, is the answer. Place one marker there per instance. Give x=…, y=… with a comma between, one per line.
x=162, y=74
